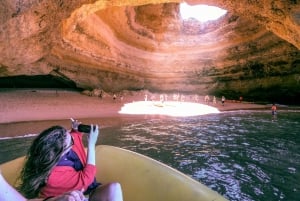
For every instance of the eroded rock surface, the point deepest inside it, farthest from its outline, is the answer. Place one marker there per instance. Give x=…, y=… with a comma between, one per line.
x=252, y=51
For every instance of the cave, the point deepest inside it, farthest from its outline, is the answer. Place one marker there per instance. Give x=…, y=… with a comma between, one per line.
x=252, y=50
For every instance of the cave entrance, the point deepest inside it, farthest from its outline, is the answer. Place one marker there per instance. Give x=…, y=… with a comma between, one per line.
x=202, y=13
x=36, y=81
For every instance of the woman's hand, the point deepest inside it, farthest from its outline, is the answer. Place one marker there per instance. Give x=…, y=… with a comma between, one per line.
x=75, y=123
x=93, y=135
x=92, y=139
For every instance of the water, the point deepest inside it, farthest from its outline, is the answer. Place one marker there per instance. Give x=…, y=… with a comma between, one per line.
x=245, y=155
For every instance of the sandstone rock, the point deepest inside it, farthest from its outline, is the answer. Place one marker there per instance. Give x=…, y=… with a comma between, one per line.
x=132, y=45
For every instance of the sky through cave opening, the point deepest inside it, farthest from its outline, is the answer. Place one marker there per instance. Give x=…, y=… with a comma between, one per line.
x=202, y=13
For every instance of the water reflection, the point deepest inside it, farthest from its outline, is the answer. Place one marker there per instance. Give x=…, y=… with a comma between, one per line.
x=242, y=155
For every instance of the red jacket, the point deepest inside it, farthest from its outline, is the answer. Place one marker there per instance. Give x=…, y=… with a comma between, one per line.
x=65, y=178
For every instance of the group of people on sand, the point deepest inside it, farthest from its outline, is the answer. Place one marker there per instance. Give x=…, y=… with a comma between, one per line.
x=214, y=101
x=181, y=98
x=57, y=168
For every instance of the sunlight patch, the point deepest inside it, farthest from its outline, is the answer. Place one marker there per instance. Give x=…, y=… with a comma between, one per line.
x=202, y=13
x=168, y=108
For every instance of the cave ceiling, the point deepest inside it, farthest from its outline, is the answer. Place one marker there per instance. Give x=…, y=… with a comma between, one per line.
x=146, y=45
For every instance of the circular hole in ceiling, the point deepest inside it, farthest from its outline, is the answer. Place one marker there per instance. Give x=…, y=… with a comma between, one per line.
x=202, y=13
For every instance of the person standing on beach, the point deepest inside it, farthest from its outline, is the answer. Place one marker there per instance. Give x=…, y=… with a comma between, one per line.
x=274, y=109
x=57, y=162
x=223, y=100
x=206, y=99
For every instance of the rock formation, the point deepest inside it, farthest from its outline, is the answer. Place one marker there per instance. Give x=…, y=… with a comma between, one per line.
x=252, y=51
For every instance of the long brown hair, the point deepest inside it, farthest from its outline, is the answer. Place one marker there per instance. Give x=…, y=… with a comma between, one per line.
x=42, y=156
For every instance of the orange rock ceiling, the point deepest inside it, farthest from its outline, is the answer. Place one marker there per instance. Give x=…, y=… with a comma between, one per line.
x=118, y=45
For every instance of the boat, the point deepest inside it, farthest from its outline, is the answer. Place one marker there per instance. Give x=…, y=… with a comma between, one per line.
x=142, y=178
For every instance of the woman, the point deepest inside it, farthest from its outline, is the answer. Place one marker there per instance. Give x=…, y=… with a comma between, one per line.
x=8, y=193
x=57, y=163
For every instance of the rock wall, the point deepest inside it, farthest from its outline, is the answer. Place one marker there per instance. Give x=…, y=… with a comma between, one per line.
x=252, y=51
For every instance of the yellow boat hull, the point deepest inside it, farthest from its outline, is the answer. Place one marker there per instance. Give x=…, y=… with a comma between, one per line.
x=141, y=178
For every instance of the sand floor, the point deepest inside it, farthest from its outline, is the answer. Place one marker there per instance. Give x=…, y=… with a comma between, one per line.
x=21, y=108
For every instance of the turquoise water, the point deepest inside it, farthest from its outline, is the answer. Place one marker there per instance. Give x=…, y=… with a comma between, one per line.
x=245, y=155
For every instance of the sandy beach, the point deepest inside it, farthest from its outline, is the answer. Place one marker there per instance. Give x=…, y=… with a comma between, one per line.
x=20, y=108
